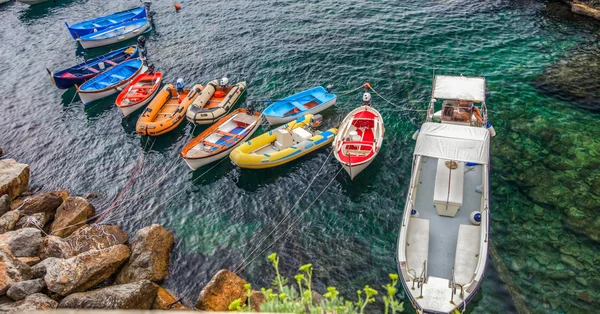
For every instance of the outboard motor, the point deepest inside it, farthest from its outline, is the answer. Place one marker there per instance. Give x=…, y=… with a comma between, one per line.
x=250, y=107
x=141, y=44
x=316, y=121
x=149, y=13
x=179, y=85
x=329, y=88
x=151, y=68
x=224, y=83
x=366, y=99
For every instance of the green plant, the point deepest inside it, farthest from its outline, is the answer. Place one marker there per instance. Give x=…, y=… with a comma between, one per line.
x=289, y=300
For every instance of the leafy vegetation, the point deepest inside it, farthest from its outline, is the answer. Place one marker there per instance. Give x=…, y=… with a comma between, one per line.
x=298, y=298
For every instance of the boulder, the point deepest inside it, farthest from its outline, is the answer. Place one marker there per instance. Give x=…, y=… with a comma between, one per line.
x=86, y=238
x=165, y=301
x=23, y=242
x=21, y=290
x=35, y=220
x=34, y=302
x=55, y=247
x=86, y=270
x=70, y=216
x=139, y=295
x=11, y=269
x=39, y=270
x=30, y=261
x=14, y=178
x=582, y=9
x=257, y=298
x=223, y=288
x=41, y=203
x=4, y=204
x=150, y=256
x=8, y=221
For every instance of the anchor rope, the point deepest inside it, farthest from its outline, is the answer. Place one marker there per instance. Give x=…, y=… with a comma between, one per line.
x=240, y=269
x=293, y=207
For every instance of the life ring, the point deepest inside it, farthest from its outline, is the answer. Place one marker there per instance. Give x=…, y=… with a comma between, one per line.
x=477, y=114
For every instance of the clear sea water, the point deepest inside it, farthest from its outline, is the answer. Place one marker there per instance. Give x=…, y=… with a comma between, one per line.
x=279, y=48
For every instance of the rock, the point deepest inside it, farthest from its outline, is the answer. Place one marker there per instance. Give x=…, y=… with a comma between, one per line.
x=96, y=237
x=150, y=256
x=8, y=221
x=70, y=216
x=34, y=302
x=14, y=178
x=11, y=269
x=23, y=242
x=20, y=290
x=41, y=203
x=55, y=247
x=223, y=288
x=4, y=299
x=35, y=220
x=85, y=239
x=582, y=9
x=572, y=261
x=138, y=295
x=39, y=270
x=4, y=204
x=86, y=270
x=257, y=298
x=165, y=301
x=30, y=261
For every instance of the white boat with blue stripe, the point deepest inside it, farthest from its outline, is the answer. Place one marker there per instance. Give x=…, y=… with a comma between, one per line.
x=116, y=34
x=310, y=101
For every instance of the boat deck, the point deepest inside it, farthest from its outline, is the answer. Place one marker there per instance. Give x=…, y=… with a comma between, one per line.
x=444, y=230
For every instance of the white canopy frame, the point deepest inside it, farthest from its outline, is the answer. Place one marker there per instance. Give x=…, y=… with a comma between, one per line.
x=454, y=142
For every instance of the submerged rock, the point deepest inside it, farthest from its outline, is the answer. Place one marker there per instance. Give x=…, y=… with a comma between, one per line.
x=223, y=288
x=139, y=295
x=86, y=270
x=14, y=178
x=23, y=242
x=11, y=270
x=21, y=290
x=8, y=221
x=34, y=302
x=70, y=216
x=150, y=256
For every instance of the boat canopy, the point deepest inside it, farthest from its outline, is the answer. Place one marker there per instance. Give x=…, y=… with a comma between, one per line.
x=454, y=142
x=459, y=88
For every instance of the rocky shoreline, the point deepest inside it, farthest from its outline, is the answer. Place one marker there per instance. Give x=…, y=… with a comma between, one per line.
x=50, y=257
x=590, y=8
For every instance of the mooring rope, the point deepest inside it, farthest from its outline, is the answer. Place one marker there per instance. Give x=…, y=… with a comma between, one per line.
x=242, y=266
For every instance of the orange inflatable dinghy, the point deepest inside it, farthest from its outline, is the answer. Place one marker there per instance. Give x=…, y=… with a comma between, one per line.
x=166, y=111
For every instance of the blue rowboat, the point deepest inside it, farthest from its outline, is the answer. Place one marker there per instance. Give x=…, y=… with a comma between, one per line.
x=100, y=23
x=313, y=100
x=82, y=72
x=109, y=82
x=115, y=34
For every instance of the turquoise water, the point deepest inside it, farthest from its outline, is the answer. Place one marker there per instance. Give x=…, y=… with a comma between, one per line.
x=281, y=47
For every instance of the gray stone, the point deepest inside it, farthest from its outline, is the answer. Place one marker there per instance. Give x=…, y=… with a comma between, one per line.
x=4, y=204
x=85, y=270
x=138, y=295
x=39, y=269
x=33, y=220
x=34, y=302
x=11, y=269
x=8, y=221
x=14, y=178
x=41, y=203
x=23, y=242
x=70, y=216
x=21, y=290
x=55, y=247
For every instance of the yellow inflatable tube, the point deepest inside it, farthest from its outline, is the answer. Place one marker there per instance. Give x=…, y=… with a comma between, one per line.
x=260, y=152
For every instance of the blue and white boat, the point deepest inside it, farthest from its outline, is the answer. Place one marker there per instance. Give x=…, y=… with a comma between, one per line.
x=111, y=81
x=79, y=74
x=311, y=101
x=94, y=25
x=115, y=34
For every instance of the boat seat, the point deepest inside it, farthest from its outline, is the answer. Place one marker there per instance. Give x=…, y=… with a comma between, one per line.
x=298, y=105
x=417, y=244
x=448, y=196
x=467, y=253
x=110, y=62
x=120, y=77
x=227, y=133
x=321, y=98
x=92, y=70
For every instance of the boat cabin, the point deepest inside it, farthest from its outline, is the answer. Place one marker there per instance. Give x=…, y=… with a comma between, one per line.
x=462, y=100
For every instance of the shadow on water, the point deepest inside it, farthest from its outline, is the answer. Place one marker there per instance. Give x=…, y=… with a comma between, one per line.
x=43, y=9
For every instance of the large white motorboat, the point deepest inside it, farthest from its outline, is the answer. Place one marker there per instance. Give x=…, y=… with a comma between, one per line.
x=443, y=241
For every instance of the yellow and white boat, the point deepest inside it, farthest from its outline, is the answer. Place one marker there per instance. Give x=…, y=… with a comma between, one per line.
x=283, y=144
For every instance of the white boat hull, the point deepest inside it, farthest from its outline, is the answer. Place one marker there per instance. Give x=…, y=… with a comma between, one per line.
x=273, y=120
x=199, y=162
x=88, y=97
x=30, y=2
x=354, y=170
x=130, y=109
x=87, y=44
